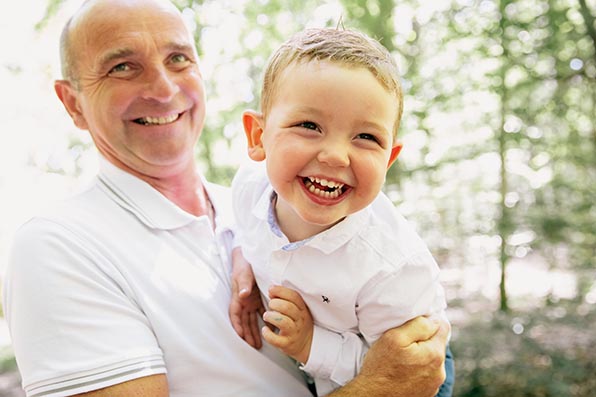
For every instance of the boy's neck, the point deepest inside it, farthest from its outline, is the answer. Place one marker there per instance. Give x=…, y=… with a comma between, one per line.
x=293, y=226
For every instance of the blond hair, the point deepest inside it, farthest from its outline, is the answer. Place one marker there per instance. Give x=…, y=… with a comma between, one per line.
x=342, y=46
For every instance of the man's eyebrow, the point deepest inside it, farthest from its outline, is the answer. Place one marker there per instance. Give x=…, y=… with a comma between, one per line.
x=110, y=56
x=118, y=53
x=181, y=47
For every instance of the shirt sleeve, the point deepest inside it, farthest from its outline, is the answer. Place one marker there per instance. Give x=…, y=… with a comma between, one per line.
x=74, y=326
x=390, y=299
x=335, y=358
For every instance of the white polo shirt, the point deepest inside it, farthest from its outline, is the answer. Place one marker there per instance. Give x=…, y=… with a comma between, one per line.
x=367, y=274
x=119, y=283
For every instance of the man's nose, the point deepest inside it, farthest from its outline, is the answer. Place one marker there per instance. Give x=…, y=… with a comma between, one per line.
x=160, y=86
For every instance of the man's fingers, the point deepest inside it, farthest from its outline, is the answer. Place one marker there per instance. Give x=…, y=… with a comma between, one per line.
x=254, y=331
x=248, y=336
x=242, y=273
x=419, y=329
x=235, y=313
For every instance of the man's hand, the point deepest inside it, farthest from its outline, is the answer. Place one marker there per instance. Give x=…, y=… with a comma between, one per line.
x=246, y=303
x=406, y=361
x=288, y=313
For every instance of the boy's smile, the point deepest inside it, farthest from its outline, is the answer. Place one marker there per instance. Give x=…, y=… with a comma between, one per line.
x=322, y=188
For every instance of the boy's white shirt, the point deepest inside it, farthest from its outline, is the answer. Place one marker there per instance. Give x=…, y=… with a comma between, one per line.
x=367, y=274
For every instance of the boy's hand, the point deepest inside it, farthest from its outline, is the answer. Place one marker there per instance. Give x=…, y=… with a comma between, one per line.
x=288, y=313
x=246, y=303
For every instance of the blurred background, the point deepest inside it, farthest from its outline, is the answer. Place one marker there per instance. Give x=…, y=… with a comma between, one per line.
x=498, y=171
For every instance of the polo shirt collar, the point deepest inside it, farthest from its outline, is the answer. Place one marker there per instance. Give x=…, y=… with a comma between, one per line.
x=150, y=206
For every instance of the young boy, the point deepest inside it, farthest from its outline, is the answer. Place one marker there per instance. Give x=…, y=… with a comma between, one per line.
x=314, y=220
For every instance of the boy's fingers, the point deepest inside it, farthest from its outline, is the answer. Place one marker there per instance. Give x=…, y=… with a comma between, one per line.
x=274, y=339
x=287, y=294
x=280, y=321
x=284, y=307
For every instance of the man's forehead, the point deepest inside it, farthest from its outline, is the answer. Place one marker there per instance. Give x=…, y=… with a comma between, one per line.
x=121, y=17
x=117, y=31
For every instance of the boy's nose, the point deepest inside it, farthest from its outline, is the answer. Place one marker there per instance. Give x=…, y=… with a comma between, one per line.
x=334, y=155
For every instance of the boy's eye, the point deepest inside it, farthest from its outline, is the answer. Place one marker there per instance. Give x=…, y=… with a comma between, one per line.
x=368, y=137
x=308, y=125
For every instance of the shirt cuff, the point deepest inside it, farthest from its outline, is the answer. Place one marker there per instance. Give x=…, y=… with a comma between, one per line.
x=324, y=353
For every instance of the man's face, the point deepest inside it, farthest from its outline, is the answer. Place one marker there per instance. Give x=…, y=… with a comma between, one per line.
x=140, y=94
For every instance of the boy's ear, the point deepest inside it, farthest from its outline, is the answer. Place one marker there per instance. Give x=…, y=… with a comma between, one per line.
x=395, y=150
x=253, y=128
x=69, y=98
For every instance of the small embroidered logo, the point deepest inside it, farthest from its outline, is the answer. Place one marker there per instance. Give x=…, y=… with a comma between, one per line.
x=325, y=299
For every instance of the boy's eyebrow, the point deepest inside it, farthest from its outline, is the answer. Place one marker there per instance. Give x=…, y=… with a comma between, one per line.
x=307, y=110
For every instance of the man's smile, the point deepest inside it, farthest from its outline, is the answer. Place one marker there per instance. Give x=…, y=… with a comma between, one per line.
x=157, y=120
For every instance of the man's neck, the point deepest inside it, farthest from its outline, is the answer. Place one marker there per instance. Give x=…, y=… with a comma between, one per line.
x=187, y=192
x=183, y=186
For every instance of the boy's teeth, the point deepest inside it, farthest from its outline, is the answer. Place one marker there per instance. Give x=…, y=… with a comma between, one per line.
x=326, y=183
x=335, y=186
x=159, y=120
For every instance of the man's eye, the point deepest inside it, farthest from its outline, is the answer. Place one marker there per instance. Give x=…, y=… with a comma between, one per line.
x=179, y=58
x=308, y=125
x=121, y=67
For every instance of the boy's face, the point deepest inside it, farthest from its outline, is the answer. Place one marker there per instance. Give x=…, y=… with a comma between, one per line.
x=328, y=141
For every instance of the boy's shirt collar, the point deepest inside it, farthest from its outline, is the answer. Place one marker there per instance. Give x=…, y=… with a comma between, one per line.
x=326, y=241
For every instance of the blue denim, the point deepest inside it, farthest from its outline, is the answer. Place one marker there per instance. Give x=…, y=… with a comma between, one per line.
x=446, y=389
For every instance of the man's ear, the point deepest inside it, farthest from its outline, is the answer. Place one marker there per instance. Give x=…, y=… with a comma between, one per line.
x=253, y=128
x=69, y=98
x=395, y=150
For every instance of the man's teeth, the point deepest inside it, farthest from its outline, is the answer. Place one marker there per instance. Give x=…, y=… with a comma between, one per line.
x=158, y=120
x=330, y=189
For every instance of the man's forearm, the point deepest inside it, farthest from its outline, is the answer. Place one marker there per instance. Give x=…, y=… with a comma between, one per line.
x=406, y=361
x=386, y=387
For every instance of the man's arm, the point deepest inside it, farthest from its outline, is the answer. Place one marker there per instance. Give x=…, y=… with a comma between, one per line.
x=149, y=386
x=405, y=361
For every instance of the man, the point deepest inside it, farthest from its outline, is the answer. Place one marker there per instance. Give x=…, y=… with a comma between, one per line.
x=129, y=280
